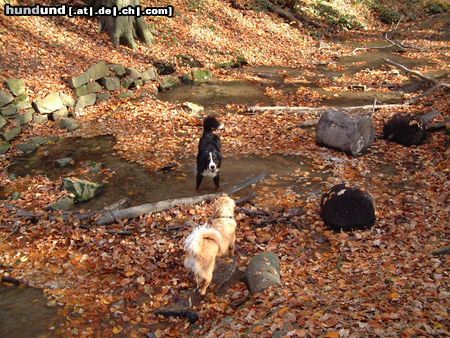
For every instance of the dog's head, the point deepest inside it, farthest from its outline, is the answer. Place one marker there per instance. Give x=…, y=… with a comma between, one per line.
x=211, y=123
x=224, y=207
x=213, y=161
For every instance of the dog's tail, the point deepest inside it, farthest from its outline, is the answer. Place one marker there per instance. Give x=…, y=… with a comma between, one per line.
x=210, y=123
x=194, y=241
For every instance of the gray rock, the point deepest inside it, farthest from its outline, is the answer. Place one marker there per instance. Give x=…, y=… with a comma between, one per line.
x=200, y=75
x=82, y=189
x=82, y=90
x=262, y=272
x=127, y=82
x=340, y=131
x=103, y=97
x=193, y=108
x=169, y=82
x=85, y=101
x=93, y=87
x=9, y=110
x=64, y=204
x=4, y=147
x=133, y=73
x=138, y=82
x=69, y=124
x=67, y=100
x=49, y=104
x=9, y=134
x=94, y=73
x=2, y=122
x=64, y=162
x=25, y=116
x=119, y=70
x=110, y=82
x=125, y=94
x=5, y=98
x=59, y=114
x=148, y=75
x=23, y=104
x=16, y=86
x=28, y=148
x=40, y=119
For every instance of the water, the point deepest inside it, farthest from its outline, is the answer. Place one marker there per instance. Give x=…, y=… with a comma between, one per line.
x=140, y=185
x=24, y=313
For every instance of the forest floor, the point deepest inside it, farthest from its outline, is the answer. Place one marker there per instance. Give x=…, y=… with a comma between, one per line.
x=381, y=282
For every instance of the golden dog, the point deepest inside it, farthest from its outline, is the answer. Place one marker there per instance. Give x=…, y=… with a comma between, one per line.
x=206, y=243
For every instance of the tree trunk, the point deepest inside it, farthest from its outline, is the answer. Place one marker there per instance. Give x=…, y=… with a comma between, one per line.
x=124, y=29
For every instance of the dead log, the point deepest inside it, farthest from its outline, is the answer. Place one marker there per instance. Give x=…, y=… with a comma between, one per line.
x=319, y=109
x=262, y=272
x=149, y=208
x=283, y=13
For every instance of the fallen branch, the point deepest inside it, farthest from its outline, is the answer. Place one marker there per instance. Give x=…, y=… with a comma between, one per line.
x=426, y=93
x=319, y=109
x=429, y=117
x=149, y=208
x=414, y=73
x=283, y=13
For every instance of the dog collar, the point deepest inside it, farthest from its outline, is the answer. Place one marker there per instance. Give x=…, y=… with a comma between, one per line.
x=231, y=217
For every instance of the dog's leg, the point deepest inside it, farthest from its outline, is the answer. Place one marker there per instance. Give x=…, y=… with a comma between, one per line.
x=232, y=248
x=207, y=281
x=216, y=181
x=199, y=181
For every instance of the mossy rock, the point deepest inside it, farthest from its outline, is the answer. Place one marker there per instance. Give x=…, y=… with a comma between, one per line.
x=200, y=75
x=169, y=82
x=82, y=189
x=16, y=86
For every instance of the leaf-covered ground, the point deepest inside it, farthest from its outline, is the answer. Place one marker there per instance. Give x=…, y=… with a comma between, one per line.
x=382, y=282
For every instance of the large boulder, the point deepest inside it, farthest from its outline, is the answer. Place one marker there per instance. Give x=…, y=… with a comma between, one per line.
x=83, y=190
x=49, y=104
x=405, y=129
x=262, y=272
x=346, y=208
x=16, y=86
x=340, y=131
x=67, y=100
x=5, y=98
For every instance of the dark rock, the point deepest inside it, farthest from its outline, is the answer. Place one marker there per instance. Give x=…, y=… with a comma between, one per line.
x=49, y=104
x=64, y=204
x=262, y=272
x=64, y=162
x=9, y=110
x=85, y=101
x=119, y=70
x=25, y=117
x=103, y=97
x=189, y=61
x=168, y=83
x=82, y=189
x=200, y=75
x=186, y=79
x=40, y=119
x=149, y=74
x=4, y=147
x=16, y=86
x=27, y=148
x=405, y=129
x=340, y=131
x=110, y=82
x=345, y=208
x=125, y=94
x=5, y=98
x=67, y=100
x=127, y=83
x=164, y=68
x=69, y=124
x=93, y=87
x=133, y=73
x=11, y=133
x=2, y=122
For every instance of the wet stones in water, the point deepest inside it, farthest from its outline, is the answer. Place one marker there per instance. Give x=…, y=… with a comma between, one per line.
x=343, y=132
x=346, y=208
x=405, y=129
x=82, y=189
x=262, y=272
x=163, y=68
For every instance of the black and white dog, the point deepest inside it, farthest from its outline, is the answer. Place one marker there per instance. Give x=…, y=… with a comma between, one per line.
x=209, y=156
